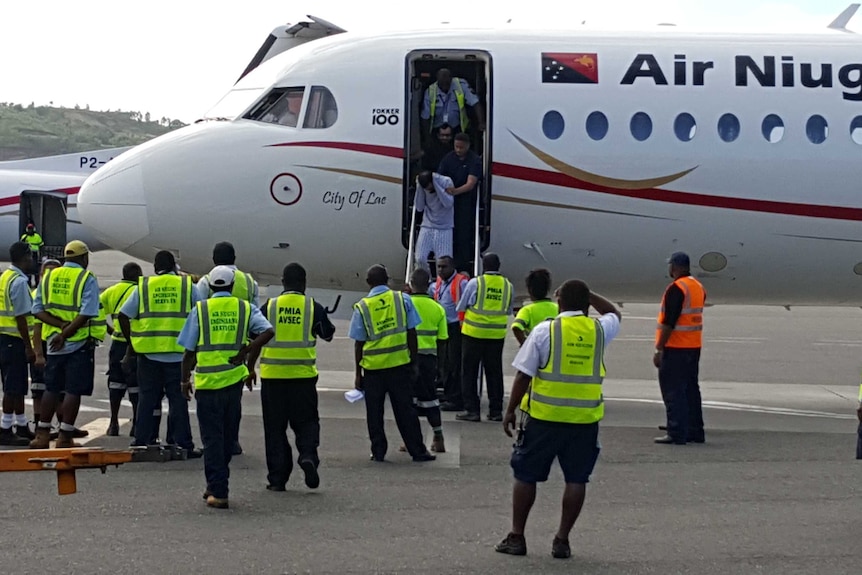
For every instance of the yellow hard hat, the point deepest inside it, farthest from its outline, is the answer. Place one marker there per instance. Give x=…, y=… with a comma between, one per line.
x=76, y=248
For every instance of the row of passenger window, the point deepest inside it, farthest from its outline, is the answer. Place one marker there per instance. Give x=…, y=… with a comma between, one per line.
x=685, y=127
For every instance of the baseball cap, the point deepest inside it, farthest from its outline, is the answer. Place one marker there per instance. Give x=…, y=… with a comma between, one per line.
x=75, y=248
x=679, y=259
x=31, y=227
x=221, y=276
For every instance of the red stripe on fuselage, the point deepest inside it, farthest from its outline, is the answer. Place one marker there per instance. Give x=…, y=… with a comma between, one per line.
x=11, y=200
x=651, y=194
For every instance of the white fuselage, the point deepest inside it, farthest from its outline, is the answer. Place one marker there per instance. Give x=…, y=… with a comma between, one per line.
x=779, y=221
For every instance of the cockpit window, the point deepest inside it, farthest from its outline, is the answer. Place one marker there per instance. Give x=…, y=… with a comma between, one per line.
x=233, y=104
x=281, y=106
x=322, y=112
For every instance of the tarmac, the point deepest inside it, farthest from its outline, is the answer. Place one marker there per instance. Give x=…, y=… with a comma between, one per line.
x=775, y=489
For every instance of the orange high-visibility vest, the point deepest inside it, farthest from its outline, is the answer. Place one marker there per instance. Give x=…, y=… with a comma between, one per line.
x=688, y=332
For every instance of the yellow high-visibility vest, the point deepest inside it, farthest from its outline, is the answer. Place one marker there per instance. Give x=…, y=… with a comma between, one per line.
x=433, y=326
x=165, y=302
x=463, y=118
x=292, y=353
x=385, y=320
x=223, y=323
x=8, y=323
x=488, y=317
x=62, y=294
x=113, y=299
x=569, y=388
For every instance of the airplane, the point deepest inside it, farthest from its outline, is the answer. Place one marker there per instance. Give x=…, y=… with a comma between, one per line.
x=604, y=153
x=44, y=191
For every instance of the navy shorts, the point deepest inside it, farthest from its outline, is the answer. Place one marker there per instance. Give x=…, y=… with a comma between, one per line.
x=37, y=376
x=118, y=378
x=13, y=365
x=575, y=446
x=71, y=372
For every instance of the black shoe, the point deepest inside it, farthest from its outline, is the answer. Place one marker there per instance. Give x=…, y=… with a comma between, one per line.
x=424, y=457
x=237, y=448
x=312, y=478
x=378, y=459
x=495, y=417
x=271, y=487
x=467, y=416
x=113, y=430
x=194, y=453
x=662, y=427
x=697, y=439
x=8, y=437
x=561, y=549
x=24, y=431
x=449, y=406
x=668, y=440
x=79, y=433
x=512, y=545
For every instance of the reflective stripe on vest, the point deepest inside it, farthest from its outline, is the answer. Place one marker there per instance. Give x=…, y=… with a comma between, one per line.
x=243, y=289
x=99, y=325
x=385, y=319
x=62, y=293
x=459, y=97
x=165, y=302
x=291, y=353
x=115, y=296
x=223, y=323
x=431, y=313
x=488, y=317
x=569, y=388
x=8, y=323
x=688, y=331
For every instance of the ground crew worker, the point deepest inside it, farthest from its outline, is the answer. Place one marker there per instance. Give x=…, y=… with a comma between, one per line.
x=446, y=102
x=540, y=307
x=431, y=336
x=40, y=349
x=677, y=353
x=245, y=288
x=486, y=303
x=288, y=375
x=112, y=299
x=859, y=429
x=34, y=240
x=383, y=326
x=151, y=320
x=16, y=349
x=560, y=394
x=447, y=291
x=68, y=298
x=214, y=337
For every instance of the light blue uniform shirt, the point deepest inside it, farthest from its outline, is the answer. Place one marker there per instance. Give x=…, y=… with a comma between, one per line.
x=445, y=298
x=468, y=296
x=447, y=105
x=89, y=308
x=357, y=326
x=257, y=324
x=206, y=292
x=130, y=310
x=19, y=293
x=438, y=208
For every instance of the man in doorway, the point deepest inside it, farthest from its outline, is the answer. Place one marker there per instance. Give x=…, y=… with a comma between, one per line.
x=437, y=148
x=464, y=167
x=446, y=102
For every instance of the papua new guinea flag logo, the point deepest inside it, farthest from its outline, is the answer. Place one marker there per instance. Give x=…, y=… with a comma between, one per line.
x=570, y=68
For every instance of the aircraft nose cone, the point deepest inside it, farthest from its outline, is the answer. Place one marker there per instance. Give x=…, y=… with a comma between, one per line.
x=112, y=203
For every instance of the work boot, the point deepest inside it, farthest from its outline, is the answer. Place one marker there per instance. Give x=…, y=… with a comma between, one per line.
x=43, y=438
x=113, y=429
x=24, y=431
x=65, y=440
x=217, y=502
x=437, y=445
x=8, y=437
x=79, y=433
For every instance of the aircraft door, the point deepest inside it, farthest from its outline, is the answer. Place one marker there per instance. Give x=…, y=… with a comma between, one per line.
x=47, y=211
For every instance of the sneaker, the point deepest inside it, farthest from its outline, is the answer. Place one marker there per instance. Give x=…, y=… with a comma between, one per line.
x=468, y=416
x=24, y=431
x=8, y=437
x=512, y=545
x=312, y=478
x=217, y=502
x=378, y=459
x=561, y=549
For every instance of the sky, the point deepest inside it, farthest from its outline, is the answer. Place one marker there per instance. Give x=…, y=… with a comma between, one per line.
x=176, y=58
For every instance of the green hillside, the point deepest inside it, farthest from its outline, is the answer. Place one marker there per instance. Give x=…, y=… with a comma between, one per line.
x=34, y=131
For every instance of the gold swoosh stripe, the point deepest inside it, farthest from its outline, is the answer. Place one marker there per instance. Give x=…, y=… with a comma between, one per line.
x=358, y=174
x=597, y=179
x=509, y=199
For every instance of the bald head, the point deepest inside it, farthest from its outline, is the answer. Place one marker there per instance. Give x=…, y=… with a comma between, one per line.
x=491, y=262
x=377, y=276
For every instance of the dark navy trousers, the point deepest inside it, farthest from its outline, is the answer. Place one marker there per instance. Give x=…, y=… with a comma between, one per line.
x=680, y=391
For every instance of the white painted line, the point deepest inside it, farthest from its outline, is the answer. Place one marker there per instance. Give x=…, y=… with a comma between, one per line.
x=83, y=408
x=97, y=428
x=747, y=408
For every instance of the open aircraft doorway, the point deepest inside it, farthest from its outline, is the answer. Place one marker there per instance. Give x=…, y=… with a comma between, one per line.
x=421, y=153
x=47, y=211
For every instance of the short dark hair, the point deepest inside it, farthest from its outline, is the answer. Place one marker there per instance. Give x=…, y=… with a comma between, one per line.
x=224, y=254
x=574, y=296
x=462, y=137
x=164, y=261
x=539, y=283
x=491, y=262
x=293, y=274
x=420, y=278
x=424, y=179
x=377, y=275
x=19, y=251
x=132, y=271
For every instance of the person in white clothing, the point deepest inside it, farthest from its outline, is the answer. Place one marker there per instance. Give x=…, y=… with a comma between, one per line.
x=438, y=216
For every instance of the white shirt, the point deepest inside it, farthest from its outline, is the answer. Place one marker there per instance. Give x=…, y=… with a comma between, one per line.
x=536, y=351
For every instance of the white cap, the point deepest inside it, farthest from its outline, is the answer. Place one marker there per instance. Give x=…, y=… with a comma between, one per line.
x=221, y=276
